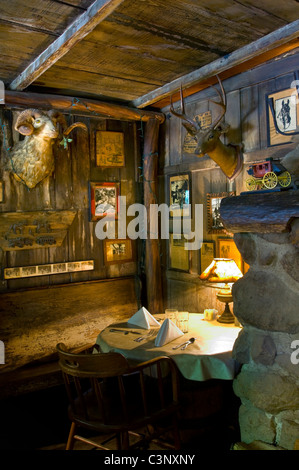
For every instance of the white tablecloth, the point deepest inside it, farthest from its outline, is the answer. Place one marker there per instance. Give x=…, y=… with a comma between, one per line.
x=209, y=357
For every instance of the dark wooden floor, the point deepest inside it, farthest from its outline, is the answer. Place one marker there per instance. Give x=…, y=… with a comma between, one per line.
x=39, y=420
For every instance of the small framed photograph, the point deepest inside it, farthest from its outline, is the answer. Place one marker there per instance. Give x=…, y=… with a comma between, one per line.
x=283, y=116
x=110, y=149
x=179, y=258
x=207, y=254
x=228, y=249
x=104, y=200
x=118, y=251
x=215, y=224
x=180, y=195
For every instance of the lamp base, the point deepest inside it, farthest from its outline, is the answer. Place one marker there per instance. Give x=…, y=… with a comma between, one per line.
x=225, y=296
x=226, y=316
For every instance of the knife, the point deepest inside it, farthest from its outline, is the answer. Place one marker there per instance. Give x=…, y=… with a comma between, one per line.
x=125, y=331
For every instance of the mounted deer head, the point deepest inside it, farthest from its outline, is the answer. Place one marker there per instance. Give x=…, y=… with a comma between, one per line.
x=228, y=157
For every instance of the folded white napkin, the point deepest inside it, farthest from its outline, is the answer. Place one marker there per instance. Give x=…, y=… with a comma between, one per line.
x=143, y=319
x=168, y=332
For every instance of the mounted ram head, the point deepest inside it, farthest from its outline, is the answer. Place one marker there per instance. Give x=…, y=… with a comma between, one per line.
x=31, y=160
x=228, y=157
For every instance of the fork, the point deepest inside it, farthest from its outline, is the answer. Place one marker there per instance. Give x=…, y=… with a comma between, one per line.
x=147, y=335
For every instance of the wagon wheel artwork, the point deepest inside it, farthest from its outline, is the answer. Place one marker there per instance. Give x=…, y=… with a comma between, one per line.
x=270, y=180
x=285, y=179
x=250, y=183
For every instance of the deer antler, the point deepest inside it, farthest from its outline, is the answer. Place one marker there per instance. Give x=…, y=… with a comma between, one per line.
x=191, y=126
x=222, y=103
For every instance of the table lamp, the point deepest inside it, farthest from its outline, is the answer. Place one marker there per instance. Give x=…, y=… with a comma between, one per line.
x=223, y=271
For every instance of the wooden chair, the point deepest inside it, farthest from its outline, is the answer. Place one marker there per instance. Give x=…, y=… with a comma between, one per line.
x=107, y=395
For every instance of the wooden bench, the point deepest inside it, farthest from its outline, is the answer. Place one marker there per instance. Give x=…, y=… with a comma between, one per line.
x=32, y=322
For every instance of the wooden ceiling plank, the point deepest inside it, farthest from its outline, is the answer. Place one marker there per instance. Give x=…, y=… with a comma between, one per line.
x=82, y=26
x=239, y=56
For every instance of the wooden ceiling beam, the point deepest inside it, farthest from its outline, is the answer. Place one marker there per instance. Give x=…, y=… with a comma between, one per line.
x=82, y=26
x=263, y=45
x=86, y=107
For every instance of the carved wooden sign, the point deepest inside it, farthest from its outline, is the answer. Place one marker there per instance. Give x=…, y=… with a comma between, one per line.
x=30, y=230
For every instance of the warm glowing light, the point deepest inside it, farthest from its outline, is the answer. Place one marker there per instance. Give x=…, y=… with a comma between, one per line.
x=221, y=270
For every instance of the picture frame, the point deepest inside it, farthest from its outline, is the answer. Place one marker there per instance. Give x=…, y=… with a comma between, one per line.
x=284, y=106
x=104, y=200
x=214, y=222
x=179, y=194
x=118, y=251
x=179, y=258
x=207, y=254
x=110, y=149
x=48, y=269
x=226, y=248
x=1, y=191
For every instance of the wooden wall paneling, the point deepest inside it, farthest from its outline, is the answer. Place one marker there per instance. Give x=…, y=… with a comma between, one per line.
x=175, y=132
x=79, y=232
x=249, y=101
x=95, y=174
x=233, y=118
x=264, y=89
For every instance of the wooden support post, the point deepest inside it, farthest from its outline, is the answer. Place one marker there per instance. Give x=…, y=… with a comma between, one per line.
x=152, y=257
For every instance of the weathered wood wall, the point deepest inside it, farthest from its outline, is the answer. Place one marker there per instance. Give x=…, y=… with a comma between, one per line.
x=246, y=114
x=68, y=189
x=38, y=312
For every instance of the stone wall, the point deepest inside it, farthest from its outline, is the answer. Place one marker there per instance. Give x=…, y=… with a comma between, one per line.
x=266, y=302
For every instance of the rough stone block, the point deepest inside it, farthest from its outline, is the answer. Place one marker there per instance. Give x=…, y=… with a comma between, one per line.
x=267, y=302
x=287, y=424
x=256, y=425
x=266, y=390
x=263, y=350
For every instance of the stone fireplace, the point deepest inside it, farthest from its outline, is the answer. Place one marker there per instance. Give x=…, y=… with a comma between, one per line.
x=266, y=302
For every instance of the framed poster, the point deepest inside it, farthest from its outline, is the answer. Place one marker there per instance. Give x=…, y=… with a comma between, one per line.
x=118, y=251
x=207, y=254
x=283, y=116
x=180, y=195
x=104, y=200
x=110, y=149
x=178, y=256
x=215, y=224
x=228, y=249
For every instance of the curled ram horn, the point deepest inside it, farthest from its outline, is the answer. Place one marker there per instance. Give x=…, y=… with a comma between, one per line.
x=73, y=126
x=24, y=122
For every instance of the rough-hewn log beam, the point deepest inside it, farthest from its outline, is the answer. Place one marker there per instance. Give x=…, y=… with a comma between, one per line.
x=82, y=26
x=276, y=38
x=75, y=105
x=260, y=212
x=152, y=255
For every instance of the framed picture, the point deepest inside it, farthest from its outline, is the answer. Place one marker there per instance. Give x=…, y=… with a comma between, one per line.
x=215, y=224
x=207, y=254
x=178, y=256
x=48, y=269
x=282, y=115
x=180, y=195
x=118, y=251
x=104, y=200
x=228, y=249
x=110, y=149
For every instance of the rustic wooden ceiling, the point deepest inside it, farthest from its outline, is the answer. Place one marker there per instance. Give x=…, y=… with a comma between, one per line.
x=136, y=51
